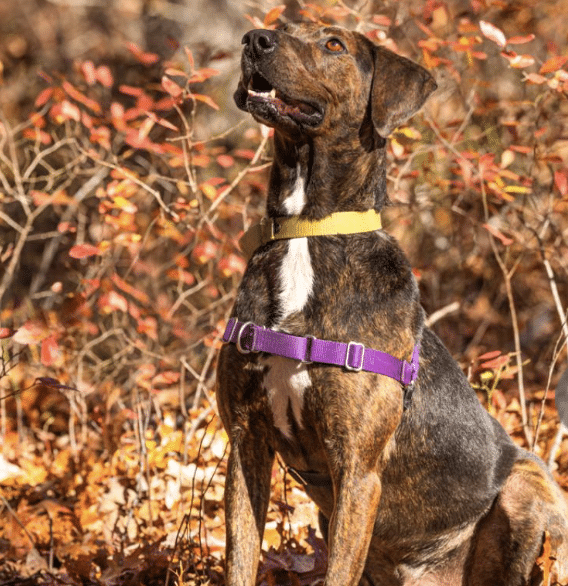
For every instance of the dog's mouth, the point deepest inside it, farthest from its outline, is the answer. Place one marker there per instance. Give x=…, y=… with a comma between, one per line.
x=266, y=101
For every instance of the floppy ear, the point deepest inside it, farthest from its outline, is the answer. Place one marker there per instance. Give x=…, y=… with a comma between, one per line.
x=399, y=89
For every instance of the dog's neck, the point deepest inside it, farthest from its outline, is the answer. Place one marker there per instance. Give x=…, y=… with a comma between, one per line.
x=318, y=177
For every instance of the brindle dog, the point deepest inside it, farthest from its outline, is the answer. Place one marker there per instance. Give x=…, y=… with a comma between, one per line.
x=436, y=494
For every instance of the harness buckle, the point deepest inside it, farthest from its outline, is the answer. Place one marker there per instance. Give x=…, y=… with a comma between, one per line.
x=360, y=366
x=239, y=341
x=409, y=388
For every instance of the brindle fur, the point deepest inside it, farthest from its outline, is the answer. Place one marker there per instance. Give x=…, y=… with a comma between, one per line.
x=437, y=494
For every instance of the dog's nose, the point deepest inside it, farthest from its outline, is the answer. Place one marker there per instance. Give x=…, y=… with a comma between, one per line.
x=260, y=41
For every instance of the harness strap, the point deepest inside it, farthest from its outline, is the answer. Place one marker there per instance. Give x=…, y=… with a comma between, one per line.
x=353, y=356
x=298, y=227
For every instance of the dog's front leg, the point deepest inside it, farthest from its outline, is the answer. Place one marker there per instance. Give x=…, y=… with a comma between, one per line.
x=357, y=499
x=247, y=493
x=357, y=445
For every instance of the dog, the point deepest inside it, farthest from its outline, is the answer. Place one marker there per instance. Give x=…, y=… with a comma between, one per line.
x=327, y=360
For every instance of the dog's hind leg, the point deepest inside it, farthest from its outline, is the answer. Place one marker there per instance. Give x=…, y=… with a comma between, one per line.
x=510, y=537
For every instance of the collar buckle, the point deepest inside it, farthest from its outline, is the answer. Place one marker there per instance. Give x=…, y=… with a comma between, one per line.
x=267, y=229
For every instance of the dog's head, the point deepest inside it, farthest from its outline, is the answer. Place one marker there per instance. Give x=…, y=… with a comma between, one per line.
x=307, y=79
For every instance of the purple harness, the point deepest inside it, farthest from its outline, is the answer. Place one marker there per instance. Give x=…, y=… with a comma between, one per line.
x=353, y=356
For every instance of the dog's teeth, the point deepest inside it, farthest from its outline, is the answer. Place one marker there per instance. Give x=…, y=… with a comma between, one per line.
x=271, y=94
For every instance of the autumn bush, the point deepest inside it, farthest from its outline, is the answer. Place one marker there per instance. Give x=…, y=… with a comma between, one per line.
x=120, y=213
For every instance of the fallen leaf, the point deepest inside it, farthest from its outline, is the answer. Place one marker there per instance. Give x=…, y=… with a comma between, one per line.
x=493, y=33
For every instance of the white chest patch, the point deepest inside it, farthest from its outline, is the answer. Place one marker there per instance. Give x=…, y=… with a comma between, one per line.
x=296, y=277
x=285, y=383
x=286, y=380
x=295, y=202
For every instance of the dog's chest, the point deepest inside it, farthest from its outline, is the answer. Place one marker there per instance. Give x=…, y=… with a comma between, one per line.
x=286, y=380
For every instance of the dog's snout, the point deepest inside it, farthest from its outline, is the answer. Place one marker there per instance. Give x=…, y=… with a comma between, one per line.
x=260, y=41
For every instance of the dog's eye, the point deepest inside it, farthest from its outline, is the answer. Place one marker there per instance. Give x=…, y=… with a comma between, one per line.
x=335, y=46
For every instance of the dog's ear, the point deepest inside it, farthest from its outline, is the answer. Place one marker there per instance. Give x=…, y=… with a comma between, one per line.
x=399, y=89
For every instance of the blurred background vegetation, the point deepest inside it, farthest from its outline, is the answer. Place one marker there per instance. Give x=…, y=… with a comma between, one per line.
x=127, y=176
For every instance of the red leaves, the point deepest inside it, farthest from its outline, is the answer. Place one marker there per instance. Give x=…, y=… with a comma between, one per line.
x=32, y=332
x=171, y=87
x=140, y=296
x=142, y=56
x=206, y=100
x=561, y=181
x=553, y=64
x=50, y=351
x=493, y=359
x=205, y=251
x=203, y=74
x=518, y=61
x=521, y=40
x=232, y=264
x=6, y=333
x=498, y=234
x=273, y=15
x=495, y=34
x=37, y=331
x=43, y=97
x=80, y=251
x=80, y=97
x=92, y=74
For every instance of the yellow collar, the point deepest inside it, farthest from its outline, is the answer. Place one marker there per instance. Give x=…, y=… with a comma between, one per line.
x=297, y=227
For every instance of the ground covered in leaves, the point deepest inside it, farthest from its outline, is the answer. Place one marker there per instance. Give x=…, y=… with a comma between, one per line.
x=126, y=179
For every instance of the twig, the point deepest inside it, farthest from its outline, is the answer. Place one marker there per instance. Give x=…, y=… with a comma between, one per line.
x=237, y=179
x=556, y=296
x=467, y=118
x=441, y=313
x=449, y=145
x=20, y=193
x=196, y=422
x=562, y=430
x=507, y=274
x=557, y=350
x=564, y=325
x=132, y=177
x=11, y=222
x=51, y=248
x=562, y=313
x=44, y=153
x=15, y=258
x=13, y=513
x=187, y=146
x=193, y=487
x=185, y=295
